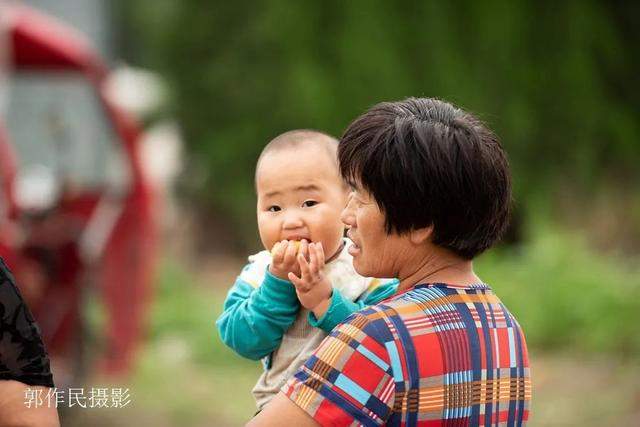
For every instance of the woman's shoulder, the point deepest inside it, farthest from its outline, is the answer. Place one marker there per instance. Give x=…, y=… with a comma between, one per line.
x=10, y=298
x=22, y=354
x=371, y=322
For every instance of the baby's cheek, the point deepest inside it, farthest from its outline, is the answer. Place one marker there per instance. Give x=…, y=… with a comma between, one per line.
x=268, y=236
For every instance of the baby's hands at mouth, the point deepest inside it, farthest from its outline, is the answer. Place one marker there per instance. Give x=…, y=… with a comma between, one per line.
x=312, y=286
x=284, y=260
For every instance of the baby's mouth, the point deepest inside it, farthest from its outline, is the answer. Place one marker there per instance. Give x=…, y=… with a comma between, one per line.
x=297, y=238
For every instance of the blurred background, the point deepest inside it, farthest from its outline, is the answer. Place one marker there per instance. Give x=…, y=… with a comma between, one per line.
x=129, y=135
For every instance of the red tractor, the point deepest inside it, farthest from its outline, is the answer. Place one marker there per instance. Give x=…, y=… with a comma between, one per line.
x=77, y=223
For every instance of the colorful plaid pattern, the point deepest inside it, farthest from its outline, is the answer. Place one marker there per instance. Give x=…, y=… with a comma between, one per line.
x=434, y=355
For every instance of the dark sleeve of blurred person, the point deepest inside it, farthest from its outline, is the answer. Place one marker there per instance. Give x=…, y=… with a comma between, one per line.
x=24, y=364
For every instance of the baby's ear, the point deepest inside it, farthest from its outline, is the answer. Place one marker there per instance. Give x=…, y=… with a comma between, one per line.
x=420, y=235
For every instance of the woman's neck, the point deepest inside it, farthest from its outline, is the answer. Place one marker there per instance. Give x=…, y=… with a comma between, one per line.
x=438, y=266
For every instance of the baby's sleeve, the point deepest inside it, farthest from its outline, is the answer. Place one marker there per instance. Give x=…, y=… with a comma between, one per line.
x=341, y=307
x=257, y=311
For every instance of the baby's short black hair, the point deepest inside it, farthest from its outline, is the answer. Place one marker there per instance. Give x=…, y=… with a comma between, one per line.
x=429, y=163
x=297, y=138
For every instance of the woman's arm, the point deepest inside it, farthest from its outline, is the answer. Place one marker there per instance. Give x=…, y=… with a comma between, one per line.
x=282, y=411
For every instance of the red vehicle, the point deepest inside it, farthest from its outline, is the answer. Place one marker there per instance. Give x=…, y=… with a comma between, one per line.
x=76, y=214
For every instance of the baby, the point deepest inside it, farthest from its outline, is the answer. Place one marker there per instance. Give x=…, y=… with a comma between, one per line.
x=291, y=295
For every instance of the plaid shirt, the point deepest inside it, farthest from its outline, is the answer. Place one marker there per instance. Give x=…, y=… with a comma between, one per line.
x=430, y=356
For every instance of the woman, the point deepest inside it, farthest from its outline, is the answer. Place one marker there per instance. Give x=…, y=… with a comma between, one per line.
x=25, y=377
x=431, y=191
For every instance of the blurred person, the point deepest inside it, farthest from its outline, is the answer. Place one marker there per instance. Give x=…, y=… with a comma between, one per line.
x=266, y=316
x=24, y=364
x=431, y=191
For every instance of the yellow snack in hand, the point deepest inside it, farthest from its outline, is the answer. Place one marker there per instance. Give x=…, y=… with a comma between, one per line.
x=295, y=243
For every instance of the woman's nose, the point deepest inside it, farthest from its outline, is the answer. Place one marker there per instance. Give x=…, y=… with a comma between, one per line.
x=347, y=216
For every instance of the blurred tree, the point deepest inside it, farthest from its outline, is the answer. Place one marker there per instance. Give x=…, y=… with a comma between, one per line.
x=557, y=81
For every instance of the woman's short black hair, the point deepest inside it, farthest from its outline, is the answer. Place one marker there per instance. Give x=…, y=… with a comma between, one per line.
x=429, y=163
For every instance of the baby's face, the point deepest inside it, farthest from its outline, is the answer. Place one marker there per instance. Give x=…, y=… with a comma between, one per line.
x=300, y=196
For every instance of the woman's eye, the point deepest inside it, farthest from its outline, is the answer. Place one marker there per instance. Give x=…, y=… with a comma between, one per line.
x=274, y=208
x=309, y=203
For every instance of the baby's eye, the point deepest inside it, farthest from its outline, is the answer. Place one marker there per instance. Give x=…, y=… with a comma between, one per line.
x=309, y=203
x=274, y=208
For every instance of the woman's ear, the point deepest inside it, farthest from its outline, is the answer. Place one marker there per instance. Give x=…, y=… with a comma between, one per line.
x=420, y=235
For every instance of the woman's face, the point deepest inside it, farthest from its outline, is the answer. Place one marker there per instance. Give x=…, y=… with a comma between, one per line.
x=375, y=253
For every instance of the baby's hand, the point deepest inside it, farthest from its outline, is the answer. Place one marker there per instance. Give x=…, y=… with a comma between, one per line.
x=283, y=259
x=312, y=287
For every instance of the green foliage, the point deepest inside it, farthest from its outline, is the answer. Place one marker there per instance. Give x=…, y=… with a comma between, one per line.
x=567, y=297
x=186, y=373
x=186, y=311
x=557, y=82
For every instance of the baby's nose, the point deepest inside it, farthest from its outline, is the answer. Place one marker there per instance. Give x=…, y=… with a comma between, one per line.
x=292, y=220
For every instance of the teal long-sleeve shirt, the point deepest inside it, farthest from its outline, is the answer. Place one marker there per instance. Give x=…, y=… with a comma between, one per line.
x=257, y=314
